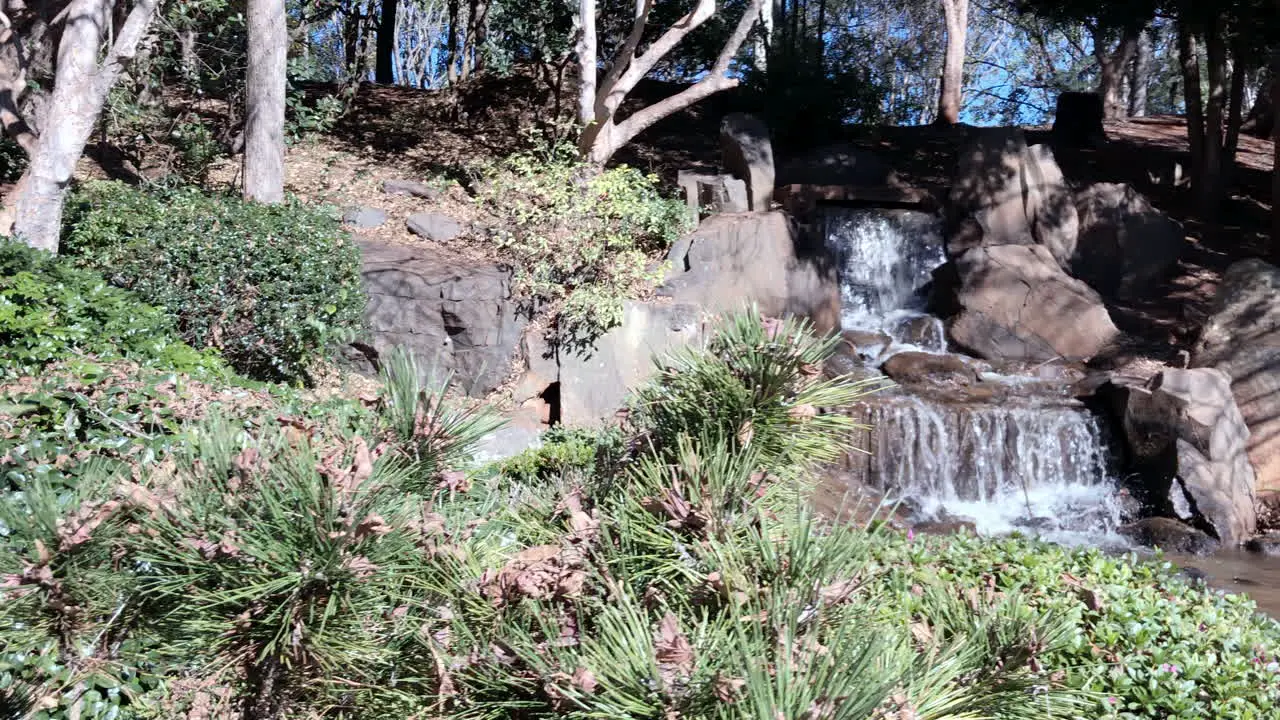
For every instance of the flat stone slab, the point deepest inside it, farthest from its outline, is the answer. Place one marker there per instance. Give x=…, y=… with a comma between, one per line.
x=364, y=218
x=434, y=226
x=410, y=187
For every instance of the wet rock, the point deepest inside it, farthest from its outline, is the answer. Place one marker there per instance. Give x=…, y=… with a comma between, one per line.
x=762, y=260
x=748, y=155
x=846, y=363
x=865, y=343
x=1268, y=545
x=457, y=318
x=434, y=226
x=1186, y=435
x=1242, y=339
x=1170, y=536
x=1126, y=246
x=410, y=187
x=923, y=331
x=946, y=527
x=913, y=368
x=364, y=218
x=1017, y=304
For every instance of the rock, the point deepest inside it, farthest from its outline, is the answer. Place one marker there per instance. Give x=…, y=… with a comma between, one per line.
x=1007, y=193
x=1186, y=436
x=1242, y=338
x=946, y=527
x=846, y=363
x=541, y=366
x=1126, y=246
x=1050, y=204
x=913, y=368
x=1078, y=120
x=866, y=343
x=1017, y=304
x=736, y=261
x=410, y=187
x=1170, y=536
x=520, y=432
x=717, y=193
x=595, y=383
x=434, y=226
x=455, y=317
x=923, y=331
x=836, y=165
x=748, y=155
x=1268, y=545
x=364, y=218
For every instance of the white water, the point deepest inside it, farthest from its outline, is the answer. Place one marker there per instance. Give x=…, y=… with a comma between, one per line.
x=887, y=258
x=1038, y=466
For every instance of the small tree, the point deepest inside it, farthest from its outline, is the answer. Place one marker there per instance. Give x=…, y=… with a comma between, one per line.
x=265, y=81
x=33, y=211
x=598, y=104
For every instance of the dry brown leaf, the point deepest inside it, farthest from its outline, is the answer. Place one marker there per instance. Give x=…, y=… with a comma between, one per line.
x=585, y=680
x=673, y=651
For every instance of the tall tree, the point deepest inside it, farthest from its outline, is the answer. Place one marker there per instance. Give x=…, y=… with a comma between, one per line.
x=604, y=134
x=1140, y=76
x=384, y=65
x=950, y=95
x=81, y=83
x=265, y=85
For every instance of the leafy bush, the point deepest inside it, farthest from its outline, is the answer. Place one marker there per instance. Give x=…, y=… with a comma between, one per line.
x=579, y=240
x=13, y=160
x=50, y=310
x=271, y=286
x=567, y=453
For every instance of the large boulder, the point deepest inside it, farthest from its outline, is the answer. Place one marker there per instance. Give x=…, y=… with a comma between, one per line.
x=1008, y=193
x=1125, y=245
x=836, y=165
x=454, y=315
x=594, y=383
x=1015, y=303
x=1077, y=122
x=1187, y=438
x=1242, y=339
x=748, y=155
x=735, y=261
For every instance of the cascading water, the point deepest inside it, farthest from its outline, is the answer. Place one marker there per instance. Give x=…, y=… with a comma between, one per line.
x=887, y=258
x=1032, y=459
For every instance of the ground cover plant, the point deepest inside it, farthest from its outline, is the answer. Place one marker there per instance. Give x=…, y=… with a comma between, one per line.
x=345, y=561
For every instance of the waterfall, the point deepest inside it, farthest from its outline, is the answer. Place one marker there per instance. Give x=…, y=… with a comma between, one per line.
x=886, y=259
x=1036, y=462
x=1037, y=466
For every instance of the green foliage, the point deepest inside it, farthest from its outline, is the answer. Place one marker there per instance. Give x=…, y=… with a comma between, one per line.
x=757, y=384
x=580, y=240
x=346, y=569
x=50, y=310
x=567, y=453
x=13, y=160
x=270, y=286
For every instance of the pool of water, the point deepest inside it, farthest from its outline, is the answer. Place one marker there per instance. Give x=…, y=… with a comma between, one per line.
x=1239, y=572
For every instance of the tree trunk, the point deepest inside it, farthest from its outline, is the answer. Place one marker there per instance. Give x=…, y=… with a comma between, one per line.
x=821, y=49
x=956, y=15
x=384, y=65
x=1235, y=117
x=605, y=135
x=265, y=101
x=1111, y=69
x=1189, y=60
x=451, y=43
x=587, y=62
x=1140, y=76
x=1211, y=187
x=764, y=40
x=1274, y=89
x=80, y=90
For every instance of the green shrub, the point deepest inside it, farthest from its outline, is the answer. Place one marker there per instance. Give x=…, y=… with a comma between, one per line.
x=757, y=384
x=50, y=310
x=271, y=286
x=13, y=160
x=567, y=453
x=579, y=240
